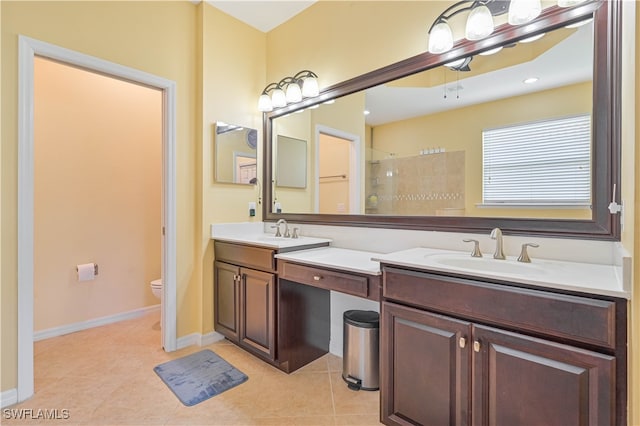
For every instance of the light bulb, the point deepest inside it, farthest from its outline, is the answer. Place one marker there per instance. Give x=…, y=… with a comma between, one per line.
x=293, y=93
x=532, y=39
x=523, y=11
x=440, y=38
x=455, y=63
x=278, y=98
x=479, y=23
x=310, y=87
x=264, y=103
x=491, y=51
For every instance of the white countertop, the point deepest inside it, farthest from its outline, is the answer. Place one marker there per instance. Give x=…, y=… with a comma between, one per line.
x=574, y=276
x=252, y=233
x=337, y=258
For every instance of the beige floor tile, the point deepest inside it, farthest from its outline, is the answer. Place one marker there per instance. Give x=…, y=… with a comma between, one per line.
x=104, y=376
x=347, y=401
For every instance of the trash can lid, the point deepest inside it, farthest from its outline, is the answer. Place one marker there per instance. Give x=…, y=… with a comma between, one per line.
x=364, y=319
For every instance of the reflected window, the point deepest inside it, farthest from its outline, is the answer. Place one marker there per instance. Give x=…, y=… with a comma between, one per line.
x=555, y=169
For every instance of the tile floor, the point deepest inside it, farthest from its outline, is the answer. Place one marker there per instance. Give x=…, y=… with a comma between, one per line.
x=104, y=376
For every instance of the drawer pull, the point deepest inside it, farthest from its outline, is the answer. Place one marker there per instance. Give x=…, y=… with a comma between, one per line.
x=317, y=277
x=462, y=342
x=476, y=346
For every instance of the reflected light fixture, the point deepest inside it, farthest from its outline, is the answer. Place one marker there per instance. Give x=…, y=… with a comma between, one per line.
x=479, y=21
x=289, y=90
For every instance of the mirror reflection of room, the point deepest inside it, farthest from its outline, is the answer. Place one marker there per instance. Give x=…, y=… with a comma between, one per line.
x=235, y=152
x=426, y=136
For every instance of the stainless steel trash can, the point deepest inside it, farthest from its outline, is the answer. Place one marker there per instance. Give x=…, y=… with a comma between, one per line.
x=360, y=362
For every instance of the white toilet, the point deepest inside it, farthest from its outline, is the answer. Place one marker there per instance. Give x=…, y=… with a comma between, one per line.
x=156, y=288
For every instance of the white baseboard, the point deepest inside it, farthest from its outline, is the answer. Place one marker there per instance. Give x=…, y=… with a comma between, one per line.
x=8, y=397
x=96, y=322
x=198, y=339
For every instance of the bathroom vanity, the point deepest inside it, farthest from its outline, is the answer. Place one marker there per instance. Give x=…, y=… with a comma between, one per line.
x=272, y=294
x=245, y=293
x=458, y=349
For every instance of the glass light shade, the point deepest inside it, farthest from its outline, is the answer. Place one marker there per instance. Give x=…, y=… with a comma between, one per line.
x=491, y=51
x=523, y=11
x=532, y=39
x=278, y=98
x=264, y=103
x=294, y=94
x=479, y=23
x=440, y=38
x=455, y=63
x=569, y=3
x=310, y=87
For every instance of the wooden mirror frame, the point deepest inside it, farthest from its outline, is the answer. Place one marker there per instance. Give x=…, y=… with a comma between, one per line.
x=606, y=132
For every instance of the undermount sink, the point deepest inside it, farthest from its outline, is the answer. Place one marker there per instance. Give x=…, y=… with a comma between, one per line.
x=484, y=264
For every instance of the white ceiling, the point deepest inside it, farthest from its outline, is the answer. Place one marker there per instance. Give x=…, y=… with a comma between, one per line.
x=264, y=15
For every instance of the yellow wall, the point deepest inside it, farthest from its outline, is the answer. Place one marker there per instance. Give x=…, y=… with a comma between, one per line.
x=461, y=130
x=98, y=184
x=218, y=64
x=233, y=66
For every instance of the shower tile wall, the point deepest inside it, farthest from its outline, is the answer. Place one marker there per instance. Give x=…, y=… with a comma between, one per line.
x=425, y=185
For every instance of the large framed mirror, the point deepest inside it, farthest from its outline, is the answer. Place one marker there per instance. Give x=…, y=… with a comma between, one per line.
x=458, y=142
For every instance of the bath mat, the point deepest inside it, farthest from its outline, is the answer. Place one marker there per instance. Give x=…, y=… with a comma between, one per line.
x=199, y=376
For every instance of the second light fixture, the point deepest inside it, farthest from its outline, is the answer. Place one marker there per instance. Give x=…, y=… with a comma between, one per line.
x=289, y=90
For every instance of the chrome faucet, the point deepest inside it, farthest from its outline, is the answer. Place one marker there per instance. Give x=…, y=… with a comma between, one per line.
x=496, y=234
x=286, y=228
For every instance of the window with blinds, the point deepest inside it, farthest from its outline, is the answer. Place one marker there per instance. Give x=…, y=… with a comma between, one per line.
x=538, y=164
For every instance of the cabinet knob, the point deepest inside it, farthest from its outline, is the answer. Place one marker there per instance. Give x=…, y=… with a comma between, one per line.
x=476, y=346
x=317, y=277
x=462, y=342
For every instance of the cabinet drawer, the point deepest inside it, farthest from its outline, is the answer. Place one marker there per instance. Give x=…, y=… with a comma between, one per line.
x=580, y=319
x=324, y=278
x=252, y=257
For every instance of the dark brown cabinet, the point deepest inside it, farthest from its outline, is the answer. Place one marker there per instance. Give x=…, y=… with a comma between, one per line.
x=245, y=298
x=448, y=358
x=425, y=368
x=257, y=301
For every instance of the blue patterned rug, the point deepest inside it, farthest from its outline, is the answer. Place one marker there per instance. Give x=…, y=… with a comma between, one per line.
x=199, y=376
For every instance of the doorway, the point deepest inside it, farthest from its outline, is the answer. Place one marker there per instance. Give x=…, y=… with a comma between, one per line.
x=97, y=197
x=28, y=49
x=337, y=187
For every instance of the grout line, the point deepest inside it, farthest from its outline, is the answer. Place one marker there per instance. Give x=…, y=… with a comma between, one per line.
x=333, y=400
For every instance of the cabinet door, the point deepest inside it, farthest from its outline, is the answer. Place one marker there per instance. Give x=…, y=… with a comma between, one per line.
x=520, y=380
x=257, y=310
x=226, y=293
x=425, y=368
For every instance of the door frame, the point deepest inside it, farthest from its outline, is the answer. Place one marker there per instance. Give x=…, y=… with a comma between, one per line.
x=28, y=48
x=355, y=154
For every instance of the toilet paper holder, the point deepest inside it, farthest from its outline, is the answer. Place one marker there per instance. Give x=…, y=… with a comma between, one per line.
x=95, y=269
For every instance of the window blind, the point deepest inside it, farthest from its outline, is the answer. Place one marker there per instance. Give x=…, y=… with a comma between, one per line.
x=538, y=163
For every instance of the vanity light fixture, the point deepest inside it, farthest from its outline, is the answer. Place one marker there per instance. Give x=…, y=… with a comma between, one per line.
x=289, y=90
x=479, y=23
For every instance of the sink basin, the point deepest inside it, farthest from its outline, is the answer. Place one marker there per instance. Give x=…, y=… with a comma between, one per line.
x=484, y=264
